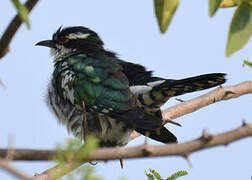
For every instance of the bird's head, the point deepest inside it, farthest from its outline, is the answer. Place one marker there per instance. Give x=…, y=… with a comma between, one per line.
x=73, y=39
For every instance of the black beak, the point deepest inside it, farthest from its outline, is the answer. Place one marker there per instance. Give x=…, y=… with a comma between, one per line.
x=46, y=43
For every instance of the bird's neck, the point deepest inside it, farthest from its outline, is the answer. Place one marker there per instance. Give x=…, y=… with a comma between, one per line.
x=63, y=57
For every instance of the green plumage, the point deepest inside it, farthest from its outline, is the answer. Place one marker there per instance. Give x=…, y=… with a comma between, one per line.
x=98, y=81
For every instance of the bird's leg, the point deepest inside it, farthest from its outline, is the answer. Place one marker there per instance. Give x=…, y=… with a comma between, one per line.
x=84, y=122
x=85, y=126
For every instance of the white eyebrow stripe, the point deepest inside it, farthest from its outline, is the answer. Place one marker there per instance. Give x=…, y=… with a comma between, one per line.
x=78, y=36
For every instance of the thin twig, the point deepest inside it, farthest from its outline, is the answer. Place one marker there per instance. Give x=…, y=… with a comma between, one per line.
x=12, y=29
x=2, y=84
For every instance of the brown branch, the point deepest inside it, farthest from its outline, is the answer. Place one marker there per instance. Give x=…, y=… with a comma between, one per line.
x=222, y=93
x=219, y=94
x=12, y=29
x=28, y=154
x=184, y=149
x=4, y=164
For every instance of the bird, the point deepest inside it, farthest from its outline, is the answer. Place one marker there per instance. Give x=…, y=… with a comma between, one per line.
x=119, y=96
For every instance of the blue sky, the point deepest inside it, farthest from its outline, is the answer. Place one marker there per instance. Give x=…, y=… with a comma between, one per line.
x=194, y=44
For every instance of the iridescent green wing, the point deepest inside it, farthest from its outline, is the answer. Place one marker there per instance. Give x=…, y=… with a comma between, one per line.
x=100, y=83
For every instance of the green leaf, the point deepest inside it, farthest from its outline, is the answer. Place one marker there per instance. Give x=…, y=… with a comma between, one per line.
x=164, y=10
x=228, y=3
x=153, y=175
x=149, y=175
x=213, y=6
x=156, y=174
x=75, y=151
x=90, y=145
x=247, y=63
x=23, y=12
x=177, y=174
x=240, y=28
x=67, y=152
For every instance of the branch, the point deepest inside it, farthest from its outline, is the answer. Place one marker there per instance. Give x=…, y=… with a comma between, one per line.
x=28, y=154
x=4, y=164
x=219, y=94
x=12, y=29
x=222, y=93
x=183, y=149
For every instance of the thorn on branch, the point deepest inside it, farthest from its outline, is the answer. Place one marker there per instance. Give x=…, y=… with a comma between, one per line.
x=206, y=136
x=180, y=100
x=11, y=151
x=2, y=84
x=244, y=123
x=186, y=156
x=173, y=122
x=121, y=163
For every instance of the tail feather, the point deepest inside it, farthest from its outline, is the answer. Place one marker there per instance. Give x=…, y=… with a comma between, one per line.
x=163, y=135
x=160, y=93
x=187, y=85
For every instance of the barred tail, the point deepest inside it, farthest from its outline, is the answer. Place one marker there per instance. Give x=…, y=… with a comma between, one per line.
x=197, y=83
x=160, y=93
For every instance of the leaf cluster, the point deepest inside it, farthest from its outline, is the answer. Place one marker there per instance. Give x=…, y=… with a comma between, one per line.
x=241, y=24
x=153, y=175
x=74, y=150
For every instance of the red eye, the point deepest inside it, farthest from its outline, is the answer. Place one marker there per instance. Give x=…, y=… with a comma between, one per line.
x=63, y=40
